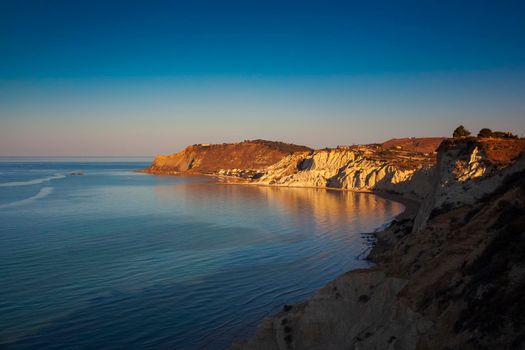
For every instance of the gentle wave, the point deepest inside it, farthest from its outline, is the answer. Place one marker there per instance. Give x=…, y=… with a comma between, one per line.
x=32, y=182
x=44, y=192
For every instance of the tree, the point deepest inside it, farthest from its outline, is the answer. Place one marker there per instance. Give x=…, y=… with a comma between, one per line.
x=485, y=132
x=460, y=132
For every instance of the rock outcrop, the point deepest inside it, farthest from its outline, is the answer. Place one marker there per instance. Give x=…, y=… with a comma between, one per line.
x=467, y=170
x=454, y=282
x=210, y=159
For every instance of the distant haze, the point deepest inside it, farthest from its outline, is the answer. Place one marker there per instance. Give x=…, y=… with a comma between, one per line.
x=147, y=77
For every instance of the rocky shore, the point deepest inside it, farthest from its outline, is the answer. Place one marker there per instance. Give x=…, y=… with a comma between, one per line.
x=449, y=275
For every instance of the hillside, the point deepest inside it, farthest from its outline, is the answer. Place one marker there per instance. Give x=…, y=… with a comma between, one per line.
x=499, y=152
x=208, y=159
x=414, y=144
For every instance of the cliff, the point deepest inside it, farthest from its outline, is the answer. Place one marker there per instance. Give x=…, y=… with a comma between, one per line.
x=467, y=170
x=211, y=159
x=359, y=168
x=453, y=281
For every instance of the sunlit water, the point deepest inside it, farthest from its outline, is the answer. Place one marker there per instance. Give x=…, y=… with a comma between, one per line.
x=117, y=259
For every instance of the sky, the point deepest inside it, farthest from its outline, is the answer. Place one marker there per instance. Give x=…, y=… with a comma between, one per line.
x=139, y=78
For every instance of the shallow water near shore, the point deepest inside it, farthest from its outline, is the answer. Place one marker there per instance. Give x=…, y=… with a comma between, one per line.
x=116, y=259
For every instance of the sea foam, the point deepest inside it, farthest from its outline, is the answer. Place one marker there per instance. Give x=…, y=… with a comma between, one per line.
x=44, y=192
x=32, y=182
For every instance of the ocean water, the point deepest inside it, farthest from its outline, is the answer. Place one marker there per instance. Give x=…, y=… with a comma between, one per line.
x=116, y=259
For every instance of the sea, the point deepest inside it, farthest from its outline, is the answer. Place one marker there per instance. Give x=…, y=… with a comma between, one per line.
x=94, y=255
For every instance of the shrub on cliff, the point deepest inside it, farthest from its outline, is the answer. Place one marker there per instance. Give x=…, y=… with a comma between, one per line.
x=485, y=132
x=460, y=132
x=504, y=135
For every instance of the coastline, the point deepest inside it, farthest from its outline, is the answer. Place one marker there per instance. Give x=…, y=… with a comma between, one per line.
x=433, y=285
x=430, y=273
x=411, y=205
x=349, y=288
x=272, y=330
x=347, y=300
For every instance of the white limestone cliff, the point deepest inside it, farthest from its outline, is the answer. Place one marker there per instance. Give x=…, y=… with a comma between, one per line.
x=360, y=169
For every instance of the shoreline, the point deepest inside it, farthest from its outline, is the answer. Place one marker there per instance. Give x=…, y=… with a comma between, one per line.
x=381, y=242
x=270, y=328
x=411, y=205
x=352, y=288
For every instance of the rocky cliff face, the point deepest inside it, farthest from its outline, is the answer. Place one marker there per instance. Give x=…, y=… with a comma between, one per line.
x=467, y=170
x=455, y=282
x=360, y=168
x=211, y=159
x=354, y=168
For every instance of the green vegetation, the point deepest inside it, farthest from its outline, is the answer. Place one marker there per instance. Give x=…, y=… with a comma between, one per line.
x=460, y=132
x=485, y=132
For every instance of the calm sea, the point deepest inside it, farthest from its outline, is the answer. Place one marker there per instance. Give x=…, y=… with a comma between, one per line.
x=116, y=259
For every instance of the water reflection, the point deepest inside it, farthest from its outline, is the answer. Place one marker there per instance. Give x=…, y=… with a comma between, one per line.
x=330, y=208
x=116, y=261
x=323, y=210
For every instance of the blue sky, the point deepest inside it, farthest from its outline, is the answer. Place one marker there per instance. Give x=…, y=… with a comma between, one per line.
x=147, y=77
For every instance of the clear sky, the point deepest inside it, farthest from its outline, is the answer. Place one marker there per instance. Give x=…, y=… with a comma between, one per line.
x=146, y=77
